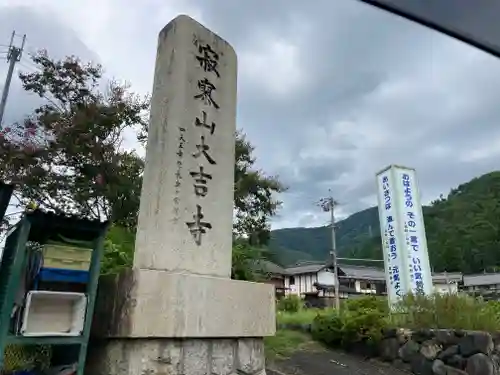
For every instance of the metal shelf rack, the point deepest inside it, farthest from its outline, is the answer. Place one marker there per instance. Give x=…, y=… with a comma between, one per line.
x=39, y=226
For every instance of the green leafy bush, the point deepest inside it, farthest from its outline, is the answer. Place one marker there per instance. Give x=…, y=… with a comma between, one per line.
x=363, y=326
x=361, y=320
x=328, y=328
x=367, y=302
x=118, y=250
x=290, y=304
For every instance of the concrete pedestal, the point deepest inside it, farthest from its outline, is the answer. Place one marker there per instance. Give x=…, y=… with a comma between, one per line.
x=176, y=357
x=150, y=322
x=150, y=303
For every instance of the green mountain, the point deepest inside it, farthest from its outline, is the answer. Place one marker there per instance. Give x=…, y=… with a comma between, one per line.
x=463, y=232
x=292, y=245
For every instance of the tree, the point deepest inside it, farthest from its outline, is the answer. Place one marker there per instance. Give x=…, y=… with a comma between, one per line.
x=67, y=155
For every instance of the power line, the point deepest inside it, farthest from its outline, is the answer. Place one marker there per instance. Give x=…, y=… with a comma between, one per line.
x=14, y=55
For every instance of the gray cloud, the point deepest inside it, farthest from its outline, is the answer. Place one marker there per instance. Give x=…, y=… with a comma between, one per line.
x=329, y=93
x=43, y=32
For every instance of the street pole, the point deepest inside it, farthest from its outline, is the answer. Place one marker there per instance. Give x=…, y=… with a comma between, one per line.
x=328, y=204
x=13, y=56
x=334, y=256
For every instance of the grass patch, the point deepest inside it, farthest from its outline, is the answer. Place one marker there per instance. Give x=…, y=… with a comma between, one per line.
x=285, y=343
x=303, y=316
x=454, y=311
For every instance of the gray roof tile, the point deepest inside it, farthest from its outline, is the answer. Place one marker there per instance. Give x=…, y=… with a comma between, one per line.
x=482, y=279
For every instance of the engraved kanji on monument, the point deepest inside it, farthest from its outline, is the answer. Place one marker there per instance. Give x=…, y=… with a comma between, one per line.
x=186, y=210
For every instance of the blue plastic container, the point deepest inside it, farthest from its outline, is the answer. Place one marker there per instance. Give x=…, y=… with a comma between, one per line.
x=62, y=275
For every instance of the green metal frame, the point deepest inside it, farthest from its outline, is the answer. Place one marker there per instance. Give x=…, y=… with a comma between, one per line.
x=5, y=195
x=40, y=226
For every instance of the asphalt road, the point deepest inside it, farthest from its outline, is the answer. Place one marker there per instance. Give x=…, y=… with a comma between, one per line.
x=327, y=362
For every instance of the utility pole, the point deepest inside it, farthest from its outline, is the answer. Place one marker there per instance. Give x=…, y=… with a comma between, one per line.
x=13, y=56
x=328, y=205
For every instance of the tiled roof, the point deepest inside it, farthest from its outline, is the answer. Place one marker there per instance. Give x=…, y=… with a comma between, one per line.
x=441, y=277
x=305, y=268
x=482, y=279
x=270, y=267
x=362, y=272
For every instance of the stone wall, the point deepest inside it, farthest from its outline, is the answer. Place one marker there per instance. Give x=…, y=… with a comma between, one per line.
x=442, y=352
x=433, y=352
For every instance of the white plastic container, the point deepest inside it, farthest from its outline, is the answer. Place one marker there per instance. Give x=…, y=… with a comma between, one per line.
x=54, y=313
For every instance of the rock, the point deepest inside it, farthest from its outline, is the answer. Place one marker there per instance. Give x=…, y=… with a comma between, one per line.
x=430, y=349
x=408, y=351
x=438, y=367
x=446, y=337
x=454, y=371
x=282, y=326
x=460, y=333
x=448, y=352
x=480, y=364
x=496, y=341
x=456, y=361
x=390, y=332
x=422, y=335
x=295, y=326
x=495, y=358
x=389, y=349
x=421, y=365
x=476, y=342
x=306, y=327
x=404, y=335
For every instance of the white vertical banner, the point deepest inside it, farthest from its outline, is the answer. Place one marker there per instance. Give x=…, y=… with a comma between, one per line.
x=392, y=245
x=402, y=229
x=411, y=217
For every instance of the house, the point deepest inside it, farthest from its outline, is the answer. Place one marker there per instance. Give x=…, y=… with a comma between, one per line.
x=447, y=282
x=275, y=275
x=483, y=283
x=314, y=277
x=365, y=280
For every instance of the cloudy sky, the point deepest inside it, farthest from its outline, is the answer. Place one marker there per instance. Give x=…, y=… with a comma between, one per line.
x=329, y=93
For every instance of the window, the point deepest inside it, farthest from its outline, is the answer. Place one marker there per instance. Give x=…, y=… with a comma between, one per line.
x=292, y=280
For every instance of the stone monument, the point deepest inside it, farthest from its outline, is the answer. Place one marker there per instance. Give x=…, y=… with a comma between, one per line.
x=177, y=311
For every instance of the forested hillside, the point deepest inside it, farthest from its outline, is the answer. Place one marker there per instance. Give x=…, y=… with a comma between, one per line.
x=295, y=244
x=463, y=231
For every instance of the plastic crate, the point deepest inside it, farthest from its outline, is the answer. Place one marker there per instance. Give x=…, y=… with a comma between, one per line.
x=54, y=313
x=63, y=275
x=66, y=264
x=67, y=252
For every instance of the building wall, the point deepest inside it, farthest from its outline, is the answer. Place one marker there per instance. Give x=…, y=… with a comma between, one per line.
x=485, y=287
x=443, y=288
x=303, y=283
x=365, y=287
x=326, y=278
x=300, y=284
x=279, y=284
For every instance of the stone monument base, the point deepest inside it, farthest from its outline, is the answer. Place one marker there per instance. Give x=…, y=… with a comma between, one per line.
x=142, y=303
x=119, y=356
